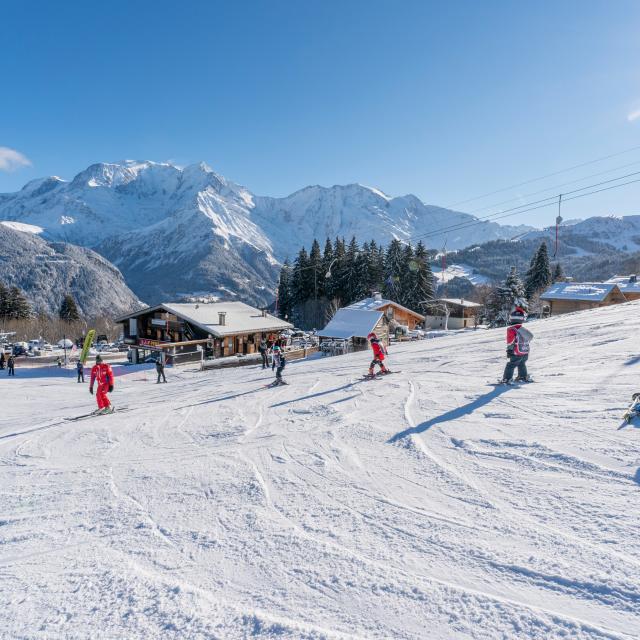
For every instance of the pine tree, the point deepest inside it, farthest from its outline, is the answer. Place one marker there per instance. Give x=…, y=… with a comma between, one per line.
x=424, y=288
x=301, y=279
x=407, y=279
x=393, y=269
x=4, y=302
x=505, y=297
x=337, y=284
x=68, y=309
x=517, y=293
x=376, y=266
x=315, y=266
x=19, y=307
x=558, y=274
x=284, y=291
x=539, y=274
x=351, y=285
x=363, y=283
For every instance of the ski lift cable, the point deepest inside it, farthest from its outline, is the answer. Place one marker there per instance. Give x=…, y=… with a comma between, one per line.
x=548, y=175
x=534, y=208
x=557, y=186
x=523, y=208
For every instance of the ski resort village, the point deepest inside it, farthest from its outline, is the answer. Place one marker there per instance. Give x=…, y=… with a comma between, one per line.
x=347, y=348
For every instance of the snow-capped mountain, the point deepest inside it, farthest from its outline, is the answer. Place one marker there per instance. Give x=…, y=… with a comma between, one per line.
x=174, y=231
x=46, y=271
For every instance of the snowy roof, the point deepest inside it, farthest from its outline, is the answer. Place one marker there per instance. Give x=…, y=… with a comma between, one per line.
x=351, y=323
x=626, y=284
x=239, y=317
x=376, y=304
x=589, y=291
x=459, y=302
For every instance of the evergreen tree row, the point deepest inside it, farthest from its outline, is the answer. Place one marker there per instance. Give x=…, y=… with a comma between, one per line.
x=344, y=273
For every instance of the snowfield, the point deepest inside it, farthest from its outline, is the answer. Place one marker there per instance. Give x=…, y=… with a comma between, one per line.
x=428, y=504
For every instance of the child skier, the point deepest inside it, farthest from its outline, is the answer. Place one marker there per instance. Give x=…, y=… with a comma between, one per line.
x=378, y=355
x=101, y=372
x=517, y=348
x=279, y=362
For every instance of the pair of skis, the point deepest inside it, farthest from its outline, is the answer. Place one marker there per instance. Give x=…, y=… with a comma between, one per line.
x=377, y=376
x=95, y=414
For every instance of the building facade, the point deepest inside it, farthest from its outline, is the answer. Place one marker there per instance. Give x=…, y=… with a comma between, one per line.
x=183, y=331
x=452, y=313
x=567, y=297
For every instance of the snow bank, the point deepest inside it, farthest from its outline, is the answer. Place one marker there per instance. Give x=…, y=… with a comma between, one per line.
x=425, y=504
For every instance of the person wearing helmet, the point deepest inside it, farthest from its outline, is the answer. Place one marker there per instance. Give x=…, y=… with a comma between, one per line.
x=517, y=348
x=102, y=375
x=378, y=355
x=279, y=362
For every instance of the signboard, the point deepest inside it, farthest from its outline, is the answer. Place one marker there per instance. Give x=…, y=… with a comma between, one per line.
x=87, y=345
x=158, y=322
x=146, y=342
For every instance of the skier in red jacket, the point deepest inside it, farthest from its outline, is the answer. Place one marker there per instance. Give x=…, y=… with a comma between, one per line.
x=102, y=374
x=378, y=354
x=517, y=348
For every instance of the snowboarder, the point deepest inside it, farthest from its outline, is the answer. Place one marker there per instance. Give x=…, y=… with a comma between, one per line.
x=279, y=362
x=517, y=348
x=80, y=370
x=378, y=355
x=160, y=371
x=102, y=374
x=263, y=348
x=11, y=363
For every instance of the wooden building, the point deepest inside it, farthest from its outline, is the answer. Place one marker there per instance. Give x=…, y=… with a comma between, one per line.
x=566, y=297
x=628, y=285
x=452, y=313
x=393, y=311
x=183, y=330
x=349, y=328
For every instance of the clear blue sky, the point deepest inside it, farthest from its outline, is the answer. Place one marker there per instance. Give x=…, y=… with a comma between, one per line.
x=447, y=100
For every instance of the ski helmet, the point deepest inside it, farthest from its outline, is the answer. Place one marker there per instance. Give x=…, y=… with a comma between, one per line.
x=98, y=359
x=517, y=316
x=372, y=336
x=276, y=347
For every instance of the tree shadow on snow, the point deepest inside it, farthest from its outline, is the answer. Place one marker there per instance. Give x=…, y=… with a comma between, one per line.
x=454, y=414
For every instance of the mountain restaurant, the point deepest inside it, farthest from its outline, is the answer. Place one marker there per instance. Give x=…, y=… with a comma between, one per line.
x=179, y=332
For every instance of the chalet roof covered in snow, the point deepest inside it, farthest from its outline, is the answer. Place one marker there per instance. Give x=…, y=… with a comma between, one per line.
x=459, y=302
x=377, y=303
x=239, y=317
x=351, y=323
x=588, y=291
x=626, y=284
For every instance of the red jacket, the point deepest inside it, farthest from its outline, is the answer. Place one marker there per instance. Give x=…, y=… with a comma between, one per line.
x=103, y=374
x=520, y=346
x=378, y=350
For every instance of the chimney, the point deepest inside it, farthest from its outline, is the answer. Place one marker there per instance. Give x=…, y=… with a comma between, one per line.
x=376, y=296
x=633, y=278
x=222, y=318
x=264, y=313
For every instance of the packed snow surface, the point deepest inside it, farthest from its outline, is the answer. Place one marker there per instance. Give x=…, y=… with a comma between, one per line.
x=427, y=504
x=458, y=271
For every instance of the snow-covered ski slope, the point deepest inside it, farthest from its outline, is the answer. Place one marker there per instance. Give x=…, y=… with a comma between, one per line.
x=428, y=504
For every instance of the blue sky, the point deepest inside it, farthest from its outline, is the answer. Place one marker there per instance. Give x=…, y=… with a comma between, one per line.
x=444, y=100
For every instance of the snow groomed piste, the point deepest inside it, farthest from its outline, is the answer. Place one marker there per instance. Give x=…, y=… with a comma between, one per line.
x=426, y=504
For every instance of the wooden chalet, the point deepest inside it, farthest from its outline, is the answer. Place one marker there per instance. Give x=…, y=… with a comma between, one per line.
x=462, y=313
x=628, y=285
x=393, y=311
x=182, y=331
x=349, y=328
x=566, y=297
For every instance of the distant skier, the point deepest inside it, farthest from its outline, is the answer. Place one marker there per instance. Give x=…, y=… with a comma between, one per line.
x=378, y=355
x=263, y=348
x=517, y=348
x=80, y=371
x=11, y=366
x=59, y=362
x=102, y=374
x=2, y=359
x=279, y=362
x=160, y=371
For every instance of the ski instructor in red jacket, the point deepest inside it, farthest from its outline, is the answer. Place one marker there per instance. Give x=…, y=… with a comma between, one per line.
x=102, y=374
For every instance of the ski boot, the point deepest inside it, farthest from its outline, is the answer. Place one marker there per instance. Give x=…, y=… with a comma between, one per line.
x=524, y=380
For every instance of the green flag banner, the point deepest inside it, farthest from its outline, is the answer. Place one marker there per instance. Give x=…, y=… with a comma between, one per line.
x=87, y=345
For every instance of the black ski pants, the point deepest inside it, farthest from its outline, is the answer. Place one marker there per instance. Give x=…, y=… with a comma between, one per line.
x=80, y=375
x=265, y=359
x=161, y=374
x=11, y=371
x=279, y=371
x=516, y=361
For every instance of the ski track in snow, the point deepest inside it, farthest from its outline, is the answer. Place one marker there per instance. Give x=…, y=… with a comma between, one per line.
x=423, y=505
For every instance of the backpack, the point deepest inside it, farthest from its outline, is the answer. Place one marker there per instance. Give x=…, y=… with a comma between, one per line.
x=523, y=337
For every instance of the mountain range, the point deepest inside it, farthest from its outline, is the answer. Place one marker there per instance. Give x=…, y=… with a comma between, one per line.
x=176, y=232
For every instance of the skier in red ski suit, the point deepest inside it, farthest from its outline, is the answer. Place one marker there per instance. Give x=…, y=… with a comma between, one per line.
x=378, y=354
x=102, y=374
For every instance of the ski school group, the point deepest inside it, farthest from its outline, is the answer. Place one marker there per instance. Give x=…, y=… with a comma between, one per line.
x=518, y=344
